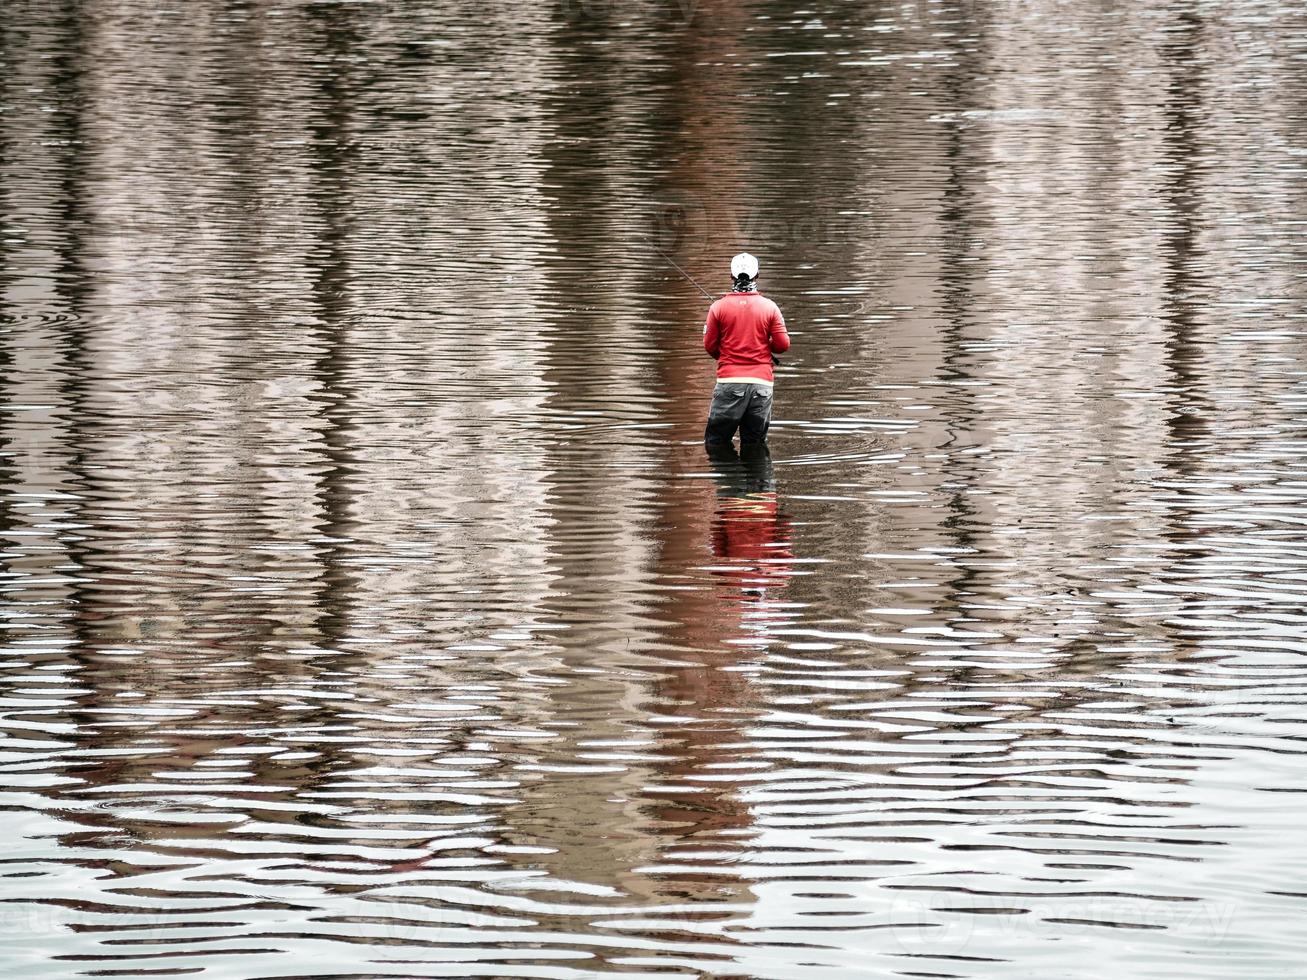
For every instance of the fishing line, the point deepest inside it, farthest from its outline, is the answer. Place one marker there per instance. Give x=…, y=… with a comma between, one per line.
x=673, y=264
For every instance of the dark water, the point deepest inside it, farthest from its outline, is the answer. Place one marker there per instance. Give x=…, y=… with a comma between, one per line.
x=372, y=610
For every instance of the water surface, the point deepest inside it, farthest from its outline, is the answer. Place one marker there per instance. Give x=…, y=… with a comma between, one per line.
x=372, y=609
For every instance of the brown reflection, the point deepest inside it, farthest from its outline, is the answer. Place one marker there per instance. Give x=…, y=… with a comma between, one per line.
x=1187, y=423
x=10, y=314
x=615, y=536
x=593, y=502
x=94, y=610
x=960, y=226
x=104, y=601
x=333, y=152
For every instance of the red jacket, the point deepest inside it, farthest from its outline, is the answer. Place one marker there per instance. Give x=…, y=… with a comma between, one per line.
x=743, y=331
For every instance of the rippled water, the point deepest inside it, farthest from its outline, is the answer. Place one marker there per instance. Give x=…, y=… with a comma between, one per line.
x=372, y=610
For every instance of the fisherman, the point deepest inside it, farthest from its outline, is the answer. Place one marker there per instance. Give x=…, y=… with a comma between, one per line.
x=743, y=331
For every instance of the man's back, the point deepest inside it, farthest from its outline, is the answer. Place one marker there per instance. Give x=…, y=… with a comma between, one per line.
x=742, y=331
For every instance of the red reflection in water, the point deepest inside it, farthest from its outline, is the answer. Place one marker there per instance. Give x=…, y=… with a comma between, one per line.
x=749, y=531
x=750, y=541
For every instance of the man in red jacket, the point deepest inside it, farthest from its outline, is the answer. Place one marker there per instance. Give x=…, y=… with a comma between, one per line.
x=743, y=331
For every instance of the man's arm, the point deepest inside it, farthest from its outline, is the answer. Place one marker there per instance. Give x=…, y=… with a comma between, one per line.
x=712, y=339
x=780, y=339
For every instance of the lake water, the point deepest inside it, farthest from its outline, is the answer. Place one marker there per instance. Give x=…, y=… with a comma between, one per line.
x=372, y=609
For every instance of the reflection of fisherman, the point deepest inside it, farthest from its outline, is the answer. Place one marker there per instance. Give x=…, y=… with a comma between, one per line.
x=750, y=546
x=744, y=329
x=749, y=530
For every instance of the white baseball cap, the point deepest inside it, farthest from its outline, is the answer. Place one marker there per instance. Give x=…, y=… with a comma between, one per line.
x=744, y=264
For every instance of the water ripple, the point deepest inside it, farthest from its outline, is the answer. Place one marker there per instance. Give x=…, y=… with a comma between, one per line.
x=372, y=609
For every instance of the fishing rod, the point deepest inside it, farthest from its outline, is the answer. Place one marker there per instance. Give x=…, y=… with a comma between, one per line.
x=670, y=261
x=673, y=264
